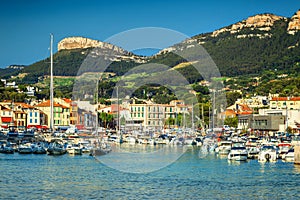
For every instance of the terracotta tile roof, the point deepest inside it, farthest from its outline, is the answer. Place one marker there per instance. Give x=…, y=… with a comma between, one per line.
x=47, y=104
x=24, y=105
x=285, y=99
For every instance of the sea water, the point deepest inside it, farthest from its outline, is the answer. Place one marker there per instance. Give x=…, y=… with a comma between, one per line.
x=190, y=177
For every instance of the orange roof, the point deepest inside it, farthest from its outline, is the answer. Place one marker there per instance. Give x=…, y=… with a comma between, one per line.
x=67, y=100
x=24, y=105
x=47, y=104
x=285, y=98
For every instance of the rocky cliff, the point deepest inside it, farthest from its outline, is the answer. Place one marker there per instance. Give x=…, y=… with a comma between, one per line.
x=262, y=22
x=82, y=43
x=294, y=24
x=109, y=51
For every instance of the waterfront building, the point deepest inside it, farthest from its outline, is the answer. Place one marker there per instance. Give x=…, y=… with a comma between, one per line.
x=260, y=123
x=289, y=103
x=61, y=113
x=73, y=109
x=152, y=116
x=6, y=116
x=292, y=118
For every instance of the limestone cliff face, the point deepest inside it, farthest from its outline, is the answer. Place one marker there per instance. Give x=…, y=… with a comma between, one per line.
x=106, y=50
x=82, y=43
x=294, y=24
x=262, y=22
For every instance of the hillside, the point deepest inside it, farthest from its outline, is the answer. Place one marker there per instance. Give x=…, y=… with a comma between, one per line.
x=249, y=47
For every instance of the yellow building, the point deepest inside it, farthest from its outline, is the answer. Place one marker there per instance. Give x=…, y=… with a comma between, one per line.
x=289, y=103
x=61, y=113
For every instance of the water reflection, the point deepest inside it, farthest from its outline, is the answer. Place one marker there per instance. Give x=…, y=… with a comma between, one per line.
x=297, y=168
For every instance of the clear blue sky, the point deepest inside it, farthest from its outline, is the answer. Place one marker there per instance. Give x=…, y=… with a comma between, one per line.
x=26, y=24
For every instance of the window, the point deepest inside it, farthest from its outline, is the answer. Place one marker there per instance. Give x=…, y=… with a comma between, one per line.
x=35, y=114
x=30, y=121
x=35, y=121
x=30, y=114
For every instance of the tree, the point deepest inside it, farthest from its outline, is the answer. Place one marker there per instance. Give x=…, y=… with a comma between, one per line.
x=106, y=119
x=231, y=121
x=232, y=97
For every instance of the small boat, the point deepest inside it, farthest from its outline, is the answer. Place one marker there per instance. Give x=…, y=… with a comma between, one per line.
x=74, y=149
x=268, y=153
x=6, y=149
x=238, y=152
x=289, y=156
x=224, y=147
x=283, y=149
x=253, y=152
x=25, y=148
x=39, y=149
x=56, y=148
x=101, y=150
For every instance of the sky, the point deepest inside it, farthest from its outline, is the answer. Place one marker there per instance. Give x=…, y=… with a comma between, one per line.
x=25, y=25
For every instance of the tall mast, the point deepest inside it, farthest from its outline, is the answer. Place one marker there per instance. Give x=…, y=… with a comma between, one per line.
x=51, y=82
x=193, y=124
x=97, y=90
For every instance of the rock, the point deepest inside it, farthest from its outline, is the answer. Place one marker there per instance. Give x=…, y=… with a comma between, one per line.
x=294, y=24
x=262, y=22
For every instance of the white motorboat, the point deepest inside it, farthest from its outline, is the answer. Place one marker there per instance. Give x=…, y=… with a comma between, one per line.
x=39, y=149
x=283, y=149
x=101, y=149
x=224, y=147
x=289, y=156
x=56, y=148
x=25, y=148
x=253, y=152
x=74, y=149
x=6, y=149
x=238, y=152
x=267, y=153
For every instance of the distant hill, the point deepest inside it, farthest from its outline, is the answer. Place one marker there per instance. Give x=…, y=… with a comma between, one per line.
x=249, y=47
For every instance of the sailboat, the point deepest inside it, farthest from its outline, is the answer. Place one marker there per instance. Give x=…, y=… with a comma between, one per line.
x=100, y=147
x=56, y=147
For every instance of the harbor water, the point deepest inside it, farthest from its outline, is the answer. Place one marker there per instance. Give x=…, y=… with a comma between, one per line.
x=192, y=176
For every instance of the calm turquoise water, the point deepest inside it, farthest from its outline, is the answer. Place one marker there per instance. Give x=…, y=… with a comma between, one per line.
x=190, y=177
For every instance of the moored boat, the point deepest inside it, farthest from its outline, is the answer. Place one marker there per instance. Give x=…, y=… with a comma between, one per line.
x=289, y=156
x=267, y=153
x=39, y=149
x=6, y=149
x=56, y=148
x=25, y=148
x=224, y=147
x=74, y=149
x=238, y=152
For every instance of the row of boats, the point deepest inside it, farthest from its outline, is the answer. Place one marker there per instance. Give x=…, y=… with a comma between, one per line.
x=234, y=147
x=262, y=149
x=52, y=148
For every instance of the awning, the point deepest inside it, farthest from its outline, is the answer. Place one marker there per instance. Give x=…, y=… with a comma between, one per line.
x=37, y=126
x=6, y=119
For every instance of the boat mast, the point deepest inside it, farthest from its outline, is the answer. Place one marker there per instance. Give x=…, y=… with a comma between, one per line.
x=51, y=82
x=193, y=124
x=97, y=100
